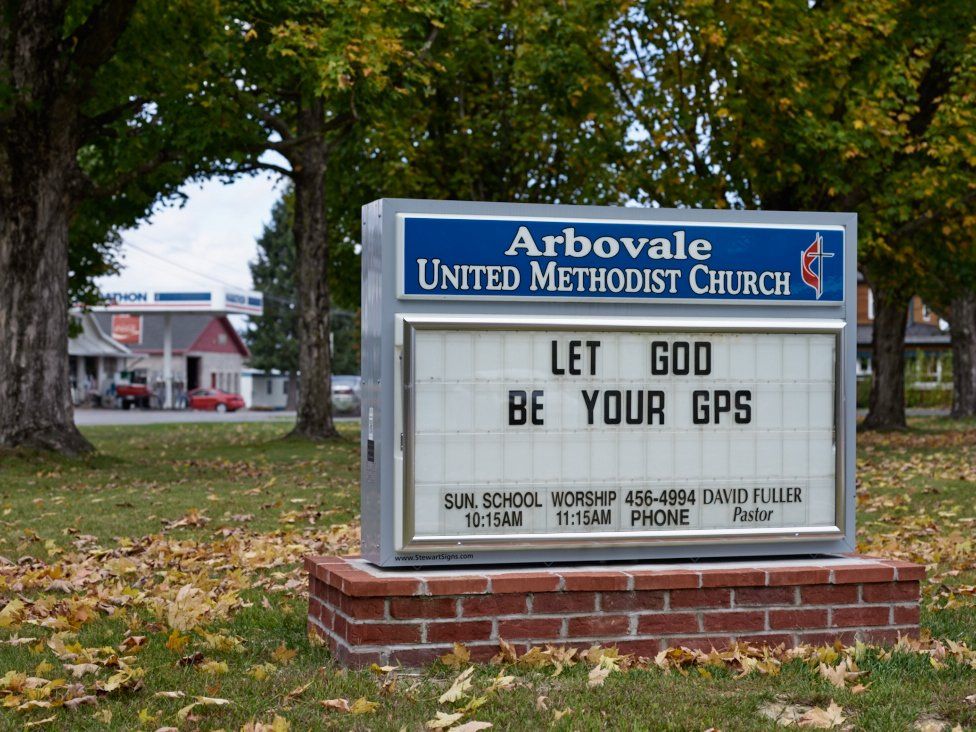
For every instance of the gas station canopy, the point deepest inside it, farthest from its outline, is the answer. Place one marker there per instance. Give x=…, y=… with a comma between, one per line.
x=167, y=302
x=230, y=302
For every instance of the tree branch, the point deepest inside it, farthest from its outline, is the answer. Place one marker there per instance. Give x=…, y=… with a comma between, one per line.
x=91, y=124
x=94, y=41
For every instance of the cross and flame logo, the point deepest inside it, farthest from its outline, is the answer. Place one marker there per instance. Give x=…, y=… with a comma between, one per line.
x=811, y=264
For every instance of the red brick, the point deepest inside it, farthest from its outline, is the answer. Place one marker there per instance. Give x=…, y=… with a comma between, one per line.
x=828, y=595
x=595, y=581
x=598, y=625
x=907, y=571
x=699, y=643
x=797, y=576
x=647, y=647
x=765, y=596
x=459, y=631
x=322, y=612
x=732, y=577
x=735, y=620
x=906, y=615
x=381, y=633
x=563, y=602
x=525, y=582
x=543, y=628
x=827, y=637
x=457, y=585
x=419, y=656
x=404, y=608
x=356, y=583
x=667, y=623
x=356, y=658
x=360, y=608
x=879, y=636
x=641, y=600
x=797, y=619
x=714, y=597
x=657, y=580
x=770, y=640
x=865, y=615
x=492, y=605
x=869, y=573
x=890, y=592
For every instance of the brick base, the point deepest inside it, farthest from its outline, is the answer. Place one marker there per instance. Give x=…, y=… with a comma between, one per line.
x=371, y=615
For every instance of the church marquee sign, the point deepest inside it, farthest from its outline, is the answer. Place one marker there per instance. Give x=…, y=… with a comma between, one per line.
x=562, y=383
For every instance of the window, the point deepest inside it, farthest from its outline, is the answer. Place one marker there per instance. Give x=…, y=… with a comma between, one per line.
x=270, y=384
x=926, y=313
x=870, y=305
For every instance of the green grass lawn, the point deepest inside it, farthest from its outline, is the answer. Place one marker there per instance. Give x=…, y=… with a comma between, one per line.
x=202, y=527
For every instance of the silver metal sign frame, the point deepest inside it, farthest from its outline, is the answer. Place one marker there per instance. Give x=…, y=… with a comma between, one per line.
x=406, y=535
x=389, y=319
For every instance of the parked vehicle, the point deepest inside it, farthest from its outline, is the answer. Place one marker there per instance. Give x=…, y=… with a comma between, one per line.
x=215, y=399
x=133, y=391
x=346, y=394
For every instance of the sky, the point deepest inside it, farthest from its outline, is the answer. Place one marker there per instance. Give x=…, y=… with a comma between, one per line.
x=206, y=243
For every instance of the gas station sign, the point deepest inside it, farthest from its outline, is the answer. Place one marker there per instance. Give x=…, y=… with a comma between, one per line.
x=557, y=383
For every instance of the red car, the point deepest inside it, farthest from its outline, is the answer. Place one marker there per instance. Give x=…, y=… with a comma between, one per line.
x=215, y=399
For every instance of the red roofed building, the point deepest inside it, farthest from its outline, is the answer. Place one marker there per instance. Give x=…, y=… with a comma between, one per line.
x=207, y=351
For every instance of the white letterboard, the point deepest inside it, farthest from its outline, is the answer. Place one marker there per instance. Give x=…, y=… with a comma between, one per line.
x=571, y=434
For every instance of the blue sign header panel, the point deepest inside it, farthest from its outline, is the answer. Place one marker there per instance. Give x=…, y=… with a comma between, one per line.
x=573, y=259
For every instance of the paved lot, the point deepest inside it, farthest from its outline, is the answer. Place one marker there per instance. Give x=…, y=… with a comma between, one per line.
x=160, y=416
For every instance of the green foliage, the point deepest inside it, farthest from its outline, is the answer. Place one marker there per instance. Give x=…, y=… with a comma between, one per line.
x=152, y=121
x=519, y=110
x=273, y=336
x=847, y=105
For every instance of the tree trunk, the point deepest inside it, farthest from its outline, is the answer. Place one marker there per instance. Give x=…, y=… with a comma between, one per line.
x=35, y=391
x=964, y=355
x=886, y=405
x=312, y=277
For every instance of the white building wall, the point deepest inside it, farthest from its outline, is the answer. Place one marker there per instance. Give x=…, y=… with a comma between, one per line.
x=269, y=391
x=221, y=370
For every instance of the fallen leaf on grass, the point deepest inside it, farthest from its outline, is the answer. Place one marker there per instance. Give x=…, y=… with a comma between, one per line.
x=802, y=715
x=363, y=706
x=214, y=667
x=817, y=718
x=472, y=726
x=262, y=671
x=192, y=660
x=12, y=614
x=170, y=694
x=188, y=608
x=298, y=691
x=341, y=705
x=177, y=642
x=80, y=669
x=280, y=724
x=458, y=688
x=838, y=675
x=39, y=722
x=541, y=703
x=597, y=675
x=456, y=658
x=560, y=713
x=201, y=701
x=931, y=723
x=283, y=654
x=443, y=720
